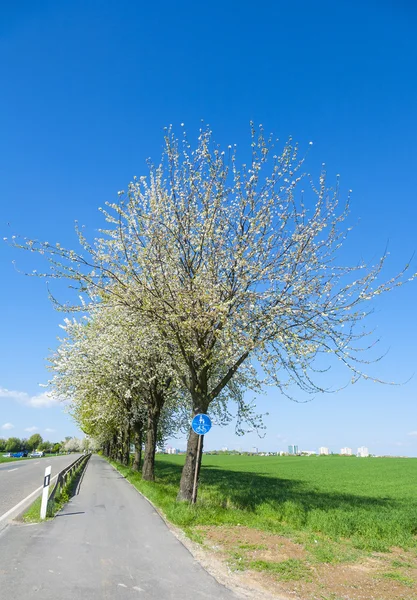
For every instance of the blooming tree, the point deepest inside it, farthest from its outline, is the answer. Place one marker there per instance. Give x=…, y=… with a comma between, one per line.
x=82, y=375
x=233, y=266
x=73, y=445
x=112, y=369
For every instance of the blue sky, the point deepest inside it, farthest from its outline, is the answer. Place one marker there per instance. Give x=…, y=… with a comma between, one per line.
x=87, y=88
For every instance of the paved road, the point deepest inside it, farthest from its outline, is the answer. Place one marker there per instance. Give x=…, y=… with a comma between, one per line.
x=107, y=543
x=18, y=479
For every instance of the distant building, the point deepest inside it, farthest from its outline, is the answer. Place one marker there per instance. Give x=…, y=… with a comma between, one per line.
x=324, y=451
x=308, y=452
x=172, y=450
x=295, y=449
x=346, y=451
x=291, y=449
x=363, y=452
x=225, y=449
x=254, y=450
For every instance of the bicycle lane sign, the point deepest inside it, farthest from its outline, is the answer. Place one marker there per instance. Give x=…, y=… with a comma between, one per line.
x=201, y=424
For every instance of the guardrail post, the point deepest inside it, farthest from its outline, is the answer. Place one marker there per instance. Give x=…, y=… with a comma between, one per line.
x=45, y=492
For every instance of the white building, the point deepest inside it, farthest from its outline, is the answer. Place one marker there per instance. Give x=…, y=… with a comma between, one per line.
x=324, y=451
x=172, y=450
x=346, y=451
x=363, y=452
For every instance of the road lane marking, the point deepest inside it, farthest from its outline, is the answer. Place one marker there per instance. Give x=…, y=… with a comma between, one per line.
x=10, y=470
x=22, y=502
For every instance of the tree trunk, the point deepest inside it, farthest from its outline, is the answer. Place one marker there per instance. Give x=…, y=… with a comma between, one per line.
x=127, y=433
x=187, y=477
x=200, y=405
x=126, y=457
x=113, y=453
x=138, y=438
x=148, y=469
x=120, y=447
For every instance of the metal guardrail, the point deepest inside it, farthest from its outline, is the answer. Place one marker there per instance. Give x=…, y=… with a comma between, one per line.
x=64, y=475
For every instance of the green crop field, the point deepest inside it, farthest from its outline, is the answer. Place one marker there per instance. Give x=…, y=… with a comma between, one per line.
x=371, y=502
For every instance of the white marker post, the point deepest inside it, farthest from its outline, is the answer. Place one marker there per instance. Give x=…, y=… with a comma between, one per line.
x=45, y=492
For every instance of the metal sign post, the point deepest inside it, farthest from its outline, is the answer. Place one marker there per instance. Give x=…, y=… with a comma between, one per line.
x=45, y=492
x=201, y=425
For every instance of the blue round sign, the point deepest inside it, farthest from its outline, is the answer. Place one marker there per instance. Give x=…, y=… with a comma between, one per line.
x=201, y=424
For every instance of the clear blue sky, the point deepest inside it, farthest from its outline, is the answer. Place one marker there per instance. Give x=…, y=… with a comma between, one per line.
x=86, y=88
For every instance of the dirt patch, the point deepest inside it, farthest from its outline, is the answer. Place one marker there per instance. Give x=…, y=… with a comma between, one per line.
x=357, y=582
x=254, y=559
x=257, y=544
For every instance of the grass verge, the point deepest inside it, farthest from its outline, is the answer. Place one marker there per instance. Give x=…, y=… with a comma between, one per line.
x=3, y=459
x=32, y=515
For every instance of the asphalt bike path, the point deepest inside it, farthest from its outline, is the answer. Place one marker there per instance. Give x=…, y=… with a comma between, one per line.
x=19, y=478
x=107, y=543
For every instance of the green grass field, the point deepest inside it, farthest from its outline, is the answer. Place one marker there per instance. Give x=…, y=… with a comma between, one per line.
x=370, y=502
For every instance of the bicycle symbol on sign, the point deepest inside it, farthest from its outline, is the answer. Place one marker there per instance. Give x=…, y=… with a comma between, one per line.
x=201, y=424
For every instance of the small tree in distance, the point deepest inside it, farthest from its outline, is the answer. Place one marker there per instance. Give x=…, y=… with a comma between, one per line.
x=34, y=442
x=13, y=444
x=45, y=446
x=234, y=266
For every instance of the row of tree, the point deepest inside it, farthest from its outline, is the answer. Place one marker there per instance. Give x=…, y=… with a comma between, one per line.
x=208, y=280
x=15, y=444
x=36, y=442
